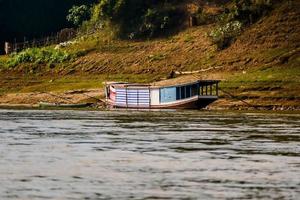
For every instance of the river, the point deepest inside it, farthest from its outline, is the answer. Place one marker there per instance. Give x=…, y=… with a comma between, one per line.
x=148, y=155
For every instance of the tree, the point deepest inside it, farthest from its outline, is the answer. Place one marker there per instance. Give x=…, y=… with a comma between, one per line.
x=140, y=18
x=79, y=14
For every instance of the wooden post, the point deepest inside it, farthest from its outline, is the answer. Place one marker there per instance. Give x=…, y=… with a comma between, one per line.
x=149, y=97
x=15, y=49
x=217, y=88
x=192, y=21
x=24, y=43
x=33, y=43
x=126, y=91
x=15, y=45
x=7, y=48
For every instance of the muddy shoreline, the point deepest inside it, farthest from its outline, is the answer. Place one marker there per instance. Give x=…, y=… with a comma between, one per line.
x=31, y=100
x=97, y=98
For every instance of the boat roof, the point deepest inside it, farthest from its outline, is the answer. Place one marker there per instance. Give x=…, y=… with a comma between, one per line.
x=180, y=81
x=183, y=80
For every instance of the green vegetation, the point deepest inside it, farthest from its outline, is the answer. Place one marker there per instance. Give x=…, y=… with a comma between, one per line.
x=275, y=86
x=46, y=55
x=233, y=20
x=223, y=35
x=137, y=19
x=56, y=83
x=78, y=14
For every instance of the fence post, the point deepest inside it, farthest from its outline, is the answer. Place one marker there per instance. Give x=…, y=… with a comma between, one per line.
x=33, y=43
x=24, y=43
x=57, y=38
x=15, y=45
x=192, y=21
x=7, y=48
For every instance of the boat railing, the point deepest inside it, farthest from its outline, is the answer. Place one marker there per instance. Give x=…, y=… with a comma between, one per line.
x=209, y=88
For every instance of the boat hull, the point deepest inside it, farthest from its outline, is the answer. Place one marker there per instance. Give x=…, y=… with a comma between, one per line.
x=196, y=103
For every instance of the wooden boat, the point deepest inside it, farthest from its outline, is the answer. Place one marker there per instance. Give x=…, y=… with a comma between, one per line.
x=61, y=105
x=192, y=94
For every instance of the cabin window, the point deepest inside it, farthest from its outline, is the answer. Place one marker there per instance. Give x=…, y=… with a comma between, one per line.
x=168, y=94
x=187, y=91
x=182, y=92
x=178, y=93
x=194, y=90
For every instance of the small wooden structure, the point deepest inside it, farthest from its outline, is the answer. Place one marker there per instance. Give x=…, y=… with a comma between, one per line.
x=196, y=94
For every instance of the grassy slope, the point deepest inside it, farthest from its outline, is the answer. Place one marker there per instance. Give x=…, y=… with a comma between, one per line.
x=262, y=67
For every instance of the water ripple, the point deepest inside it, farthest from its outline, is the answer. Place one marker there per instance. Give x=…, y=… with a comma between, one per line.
x=149, y=155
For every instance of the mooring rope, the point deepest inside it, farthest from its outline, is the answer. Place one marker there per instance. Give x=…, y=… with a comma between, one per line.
x=100, y=100
x=234, y=97
x=230, y=95
x=57, y=96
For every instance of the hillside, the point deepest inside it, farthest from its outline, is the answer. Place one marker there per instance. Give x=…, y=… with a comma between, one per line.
x=261, y=69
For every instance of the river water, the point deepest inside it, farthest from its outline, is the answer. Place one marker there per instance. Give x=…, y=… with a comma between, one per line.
x=149, y=155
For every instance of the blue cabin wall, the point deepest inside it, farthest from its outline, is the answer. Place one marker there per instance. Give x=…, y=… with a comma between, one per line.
x=171, y=94
x=167, y=94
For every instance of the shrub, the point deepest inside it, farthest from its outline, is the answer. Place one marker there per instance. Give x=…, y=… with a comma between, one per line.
x=225, y=34
x=37, y=55
x=232, y=21
x=249, y=11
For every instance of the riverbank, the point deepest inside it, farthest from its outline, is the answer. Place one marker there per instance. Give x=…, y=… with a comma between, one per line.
x=261, y=88
x=255, y=89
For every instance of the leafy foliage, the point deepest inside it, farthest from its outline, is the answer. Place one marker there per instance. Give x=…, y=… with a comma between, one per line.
x=223, y=35
x=78, y=14
x=232, y=21
x=39, y=55
x=136, y=18
x=249, y=11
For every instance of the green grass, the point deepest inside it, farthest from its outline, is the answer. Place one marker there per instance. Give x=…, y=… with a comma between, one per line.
x=3, y=62
x=270, y=74
x=64, y=84
x=156, y=57
x=266, y=83
x=189, y=38
x=32, y=83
